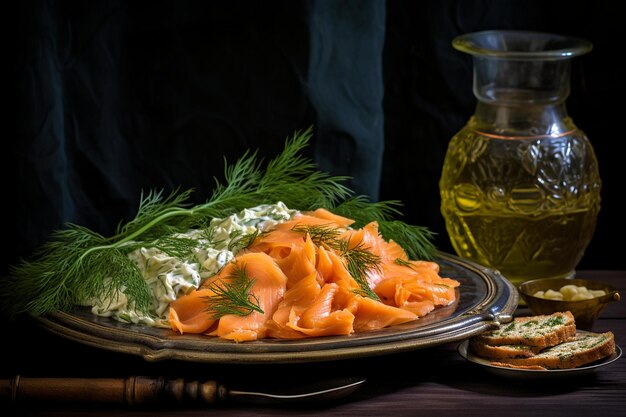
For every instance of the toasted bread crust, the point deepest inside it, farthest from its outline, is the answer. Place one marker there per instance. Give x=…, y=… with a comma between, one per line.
x=508, y=365
x=502, y=351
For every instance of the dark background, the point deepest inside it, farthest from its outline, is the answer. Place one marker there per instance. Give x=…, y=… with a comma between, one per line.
x=116, y=97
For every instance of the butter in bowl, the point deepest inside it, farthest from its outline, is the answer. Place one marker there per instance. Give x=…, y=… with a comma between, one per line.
x=585, y=299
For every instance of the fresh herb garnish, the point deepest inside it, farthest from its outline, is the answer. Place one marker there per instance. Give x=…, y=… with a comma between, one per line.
x=175, y=246
x=232, y=295
x=77, y=264
x=416, y=240
x=402, y=262
x=240, y=241
x=359, y=259
x=323, y=234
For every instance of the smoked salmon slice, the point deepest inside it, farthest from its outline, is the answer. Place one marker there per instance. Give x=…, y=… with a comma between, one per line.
x=371, y=315
x=269, y=287
x=188, y=314
x=303, y=284
x=416, y=287
x=328, y=314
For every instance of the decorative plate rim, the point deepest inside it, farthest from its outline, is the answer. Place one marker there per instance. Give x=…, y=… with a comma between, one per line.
x=485, y=300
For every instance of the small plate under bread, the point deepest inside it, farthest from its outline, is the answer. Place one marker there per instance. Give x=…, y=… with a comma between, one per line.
x=518, y=373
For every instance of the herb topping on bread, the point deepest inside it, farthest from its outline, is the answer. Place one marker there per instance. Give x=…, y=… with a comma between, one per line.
x=540, y=331
x=542, y=342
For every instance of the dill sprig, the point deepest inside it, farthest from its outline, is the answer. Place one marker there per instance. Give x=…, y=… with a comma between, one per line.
x=175, y=246
x=240, y=241
x=359, y=259
x=402, y=262
x=416, y=240
x=363, y=211
x=66, y=272
x=319, y=234
x=232, y=295
x=289, y=178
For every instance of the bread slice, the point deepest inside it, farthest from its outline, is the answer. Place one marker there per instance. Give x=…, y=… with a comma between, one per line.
x=484, y=350
x=540, y=331
x=583, y=349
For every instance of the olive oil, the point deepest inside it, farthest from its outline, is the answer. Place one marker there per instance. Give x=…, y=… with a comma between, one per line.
x=526, y=207
x=523, y=247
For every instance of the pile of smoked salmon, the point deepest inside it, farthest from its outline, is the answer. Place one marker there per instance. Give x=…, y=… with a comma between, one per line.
x=304, y=288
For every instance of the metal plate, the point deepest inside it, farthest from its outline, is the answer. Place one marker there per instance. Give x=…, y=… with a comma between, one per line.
x=484, y=300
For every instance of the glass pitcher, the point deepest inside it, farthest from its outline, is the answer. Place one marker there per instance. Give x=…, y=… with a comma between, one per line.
x=520, y=188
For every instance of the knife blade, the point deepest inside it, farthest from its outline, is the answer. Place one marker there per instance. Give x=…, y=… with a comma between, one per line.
x=144, y=390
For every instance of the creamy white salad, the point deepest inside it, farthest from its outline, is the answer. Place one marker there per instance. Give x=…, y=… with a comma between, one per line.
x=169, y=278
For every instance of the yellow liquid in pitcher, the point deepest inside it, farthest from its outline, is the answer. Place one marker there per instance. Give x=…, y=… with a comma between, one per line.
x=511, y=206
x=523, y=247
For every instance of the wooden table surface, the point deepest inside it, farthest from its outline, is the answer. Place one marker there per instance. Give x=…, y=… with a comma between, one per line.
x=435, y=381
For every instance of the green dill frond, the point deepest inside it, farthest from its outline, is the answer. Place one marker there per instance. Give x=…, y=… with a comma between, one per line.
x=290, y=178
x=416, y=240
x=363, y=211
x=240, y=241
x=126, y=279
x=207, y=233
x=402, y=262
x=64, y=273
x=232, y=295
x=320, y=234
x=360, y=260
x=151, y=207
x=239, y=192
x=175, y=246
x=314, y=188
x=361, y=254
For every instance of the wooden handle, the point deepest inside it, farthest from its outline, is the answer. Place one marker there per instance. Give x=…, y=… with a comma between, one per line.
x=134, y=390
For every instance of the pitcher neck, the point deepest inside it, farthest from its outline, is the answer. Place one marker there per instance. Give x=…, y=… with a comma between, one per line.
x=522, y=120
